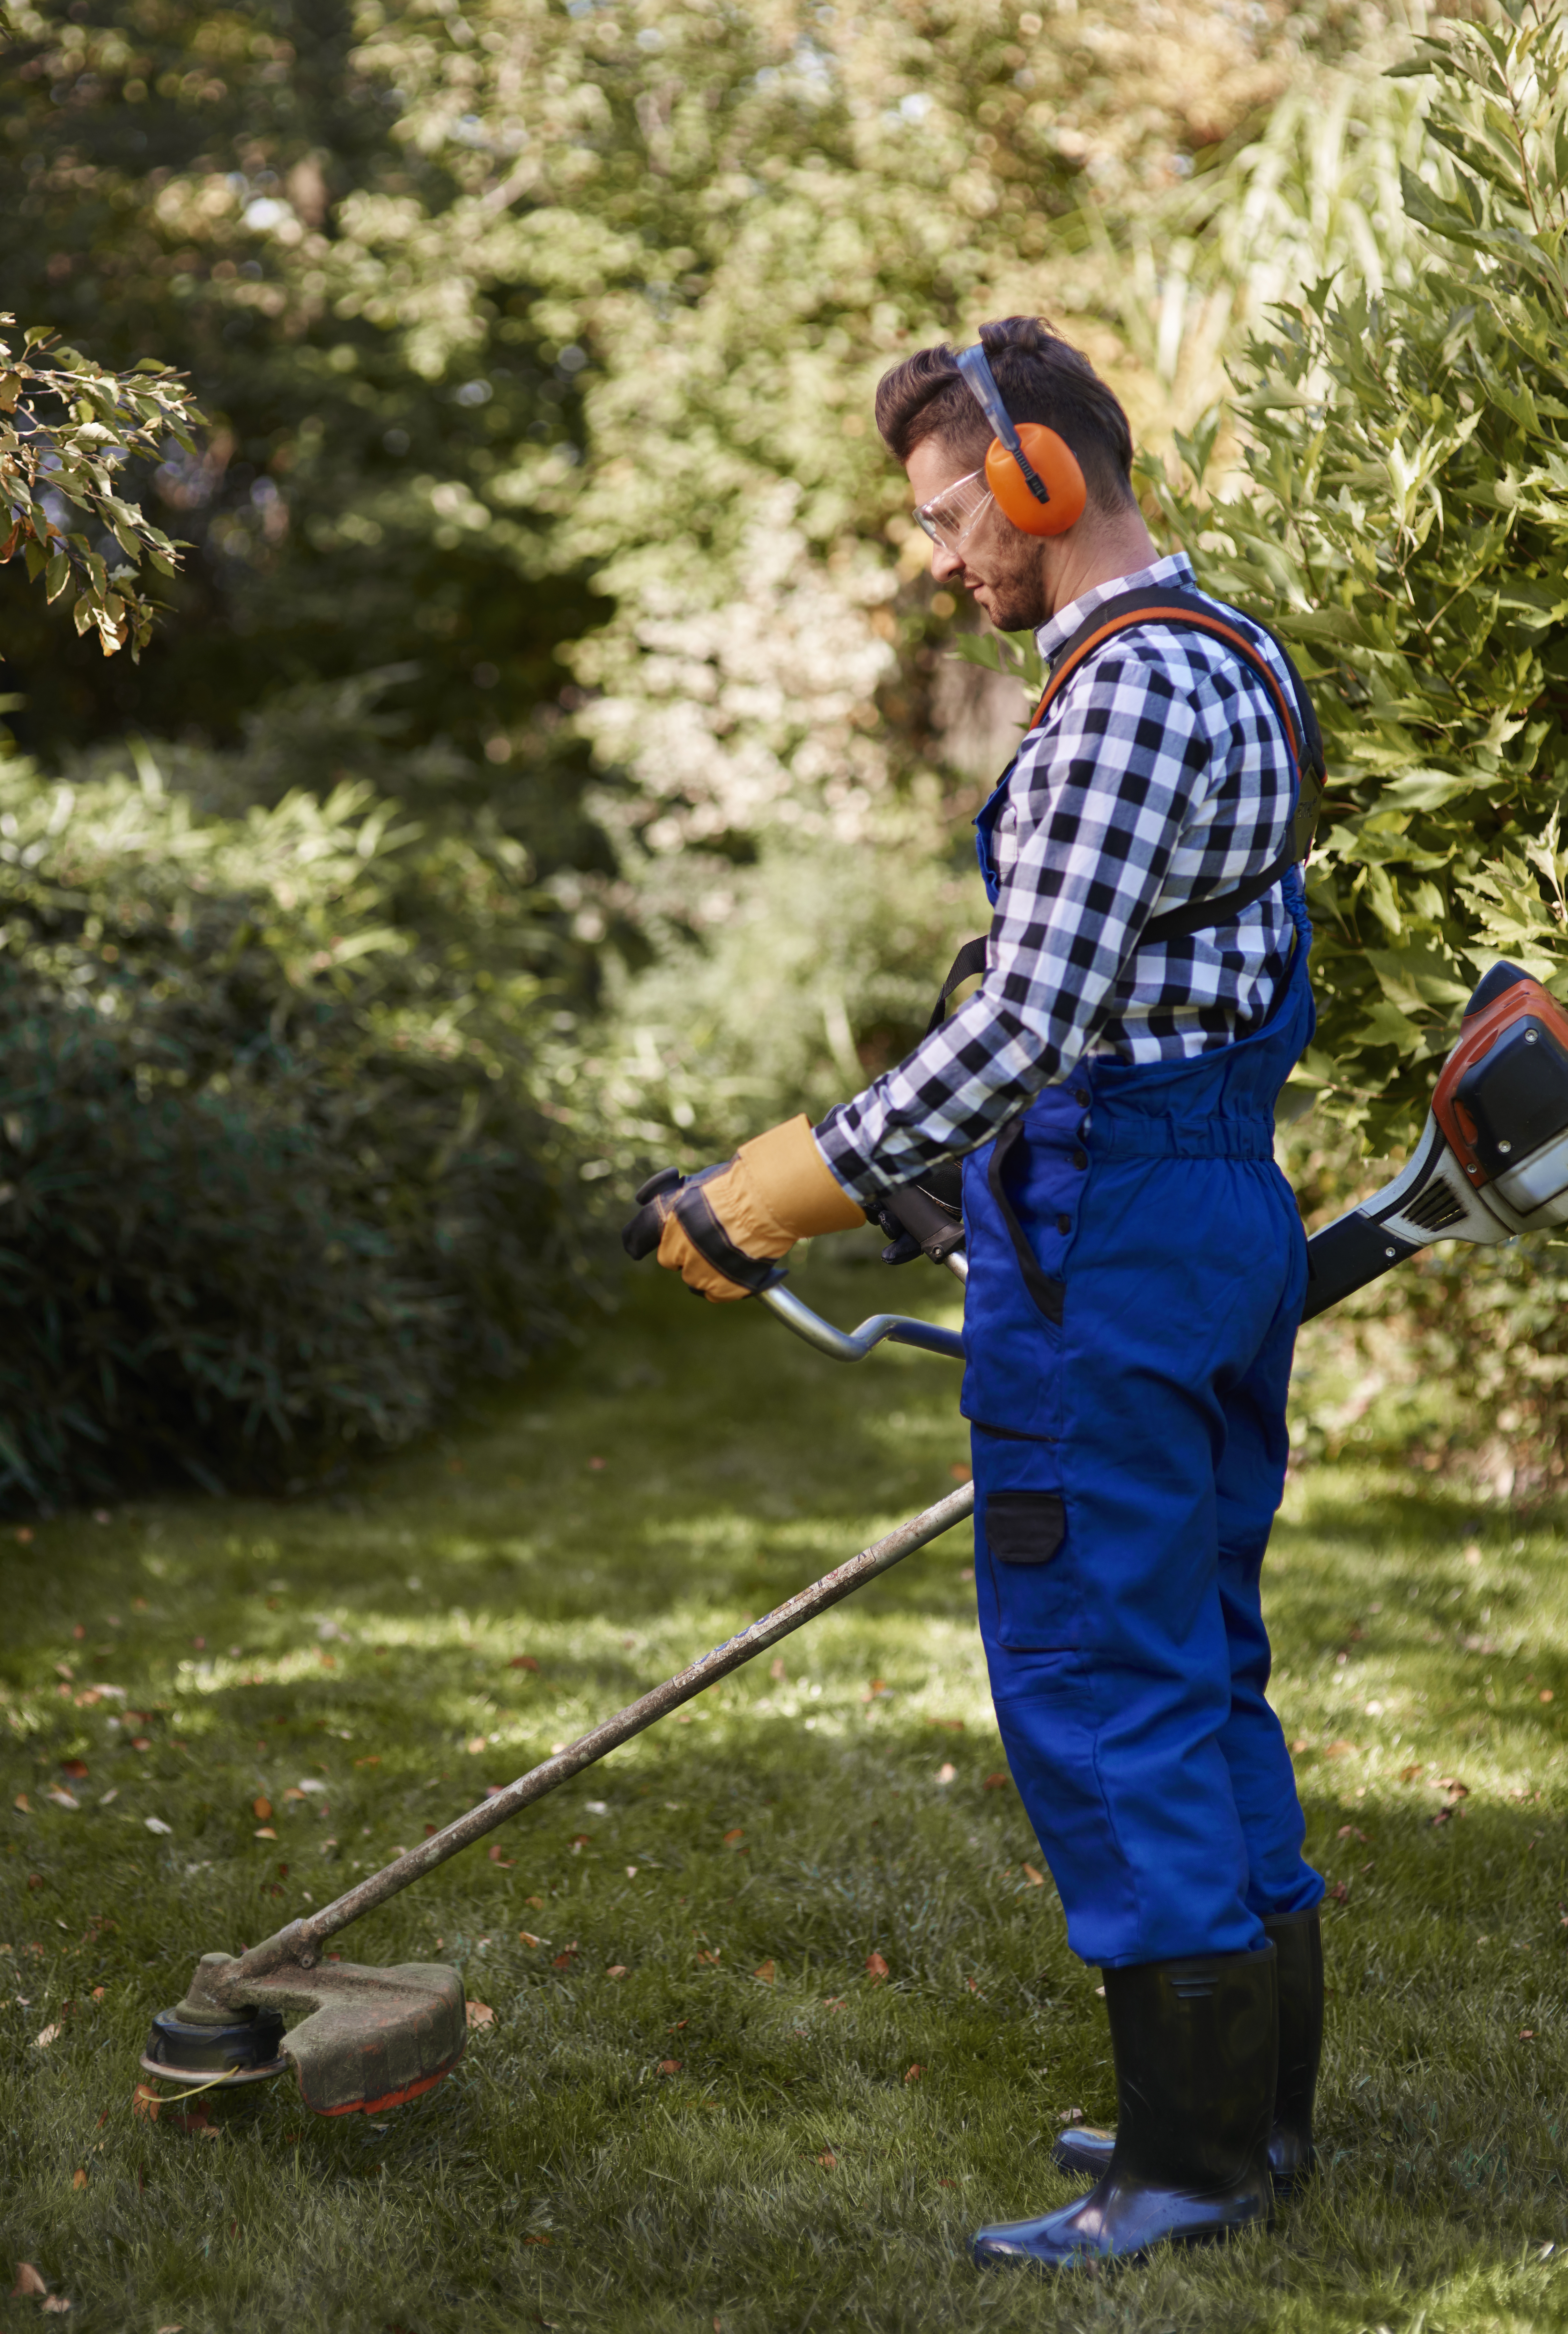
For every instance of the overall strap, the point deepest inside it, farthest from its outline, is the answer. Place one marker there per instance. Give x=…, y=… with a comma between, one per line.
x=1171, y=604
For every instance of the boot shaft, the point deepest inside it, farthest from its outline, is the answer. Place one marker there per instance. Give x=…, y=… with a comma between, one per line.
x=1197, y=2050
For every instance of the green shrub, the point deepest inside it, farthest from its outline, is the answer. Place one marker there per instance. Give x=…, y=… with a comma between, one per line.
x=275, y=1170
x=1405, y=525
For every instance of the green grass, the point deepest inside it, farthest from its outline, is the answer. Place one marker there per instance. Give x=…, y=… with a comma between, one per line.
x=362, y=1642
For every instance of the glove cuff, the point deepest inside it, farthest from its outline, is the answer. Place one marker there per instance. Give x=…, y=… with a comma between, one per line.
x=781, y=1189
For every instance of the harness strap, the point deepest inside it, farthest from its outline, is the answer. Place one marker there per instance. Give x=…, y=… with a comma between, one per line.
x=1304, y=742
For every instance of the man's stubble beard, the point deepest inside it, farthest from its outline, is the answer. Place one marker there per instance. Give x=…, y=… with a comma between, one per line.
x=1016, y=587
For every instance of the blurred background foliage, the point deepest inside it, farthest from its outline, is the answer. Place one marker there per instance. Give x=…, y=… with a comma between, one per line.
x=541, y=536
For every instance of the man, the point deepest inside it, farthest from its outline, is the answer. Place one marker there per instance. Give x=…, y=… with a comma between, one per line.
x=1137, y=1268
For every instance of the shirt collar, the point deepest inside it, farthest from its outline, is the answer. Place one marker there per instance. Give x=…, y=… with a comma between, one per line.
x=1053, y=637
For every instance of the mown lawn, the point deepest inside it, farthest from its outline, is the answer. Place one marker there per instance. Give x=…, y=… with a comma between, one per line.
x=750, y=2129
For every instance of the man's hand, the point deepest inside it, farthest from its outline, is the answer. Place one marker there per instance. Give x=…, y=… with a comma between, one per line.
x=725, y=1228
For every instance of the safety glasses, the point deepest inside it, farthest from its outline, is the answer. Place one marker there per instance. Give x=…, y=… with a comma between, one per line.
x=948, y=517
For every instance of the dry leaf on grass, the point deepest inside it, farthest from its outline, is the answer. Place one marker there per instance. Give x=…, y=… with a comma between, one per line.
x=914, y=2074
x=481, y=2014
x=75, y=1768
x=79, y=2178
x=265, y=1831
x=670, y=2065
x=536, y=2239
x=828, y=2159
x=50, y=2034
x=63, y=1799
x=996, y=1782
x=876, y=1968
x=156, y=1824
x=617, y=1969
x=946, y=1772
x=733, y=1838
x=146, y=2101
x=56, y=2305
x=525, y=1938
x=1036, y=1879
x=475, y=1745
x=764, y=1970
x=20, y=1804
x=507, y=1862
x=262, y=1810
x=29, y=2285
x=522, y=1662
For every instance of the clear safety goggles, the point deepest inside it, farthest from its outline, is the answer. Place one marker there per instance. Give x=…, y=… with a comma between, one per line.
x=951, y=515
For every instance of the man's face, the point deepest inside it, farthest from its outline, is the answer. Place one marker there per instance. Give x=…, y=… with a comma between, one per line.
x=997, y=565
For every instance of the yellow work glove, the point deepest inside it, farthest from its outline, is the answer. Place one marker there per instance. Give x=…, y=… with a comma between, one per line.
x=723, y=1229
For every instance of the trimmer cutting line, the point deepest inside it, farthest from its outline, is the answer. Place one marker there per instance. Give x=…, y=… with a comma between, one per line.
x=1492, y=1163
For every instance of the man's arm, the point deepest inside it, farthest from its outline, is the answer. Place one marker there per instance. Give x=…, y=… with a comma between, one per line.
x=1103, y=792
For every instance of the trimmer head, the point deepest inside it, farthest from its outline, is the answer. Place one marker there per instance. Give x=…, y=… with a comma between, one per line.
x=370, y=2040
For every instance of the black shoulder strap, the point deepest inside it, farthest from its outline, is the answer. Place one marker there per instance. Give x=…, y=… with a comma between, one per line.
x=1173, y=604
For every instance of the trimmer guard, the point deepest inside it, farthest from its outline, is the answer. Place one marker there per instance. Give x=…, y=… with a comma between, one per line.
x=372, y=2038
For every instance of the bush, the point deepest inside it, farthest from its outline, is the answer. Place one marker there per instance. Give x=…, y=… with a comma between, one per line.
x=275, y=1171
x=1405, y=526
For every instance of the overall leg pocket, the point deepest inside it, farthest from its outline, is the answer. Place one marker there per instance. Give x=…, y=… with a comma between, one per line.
x=1025, y=1573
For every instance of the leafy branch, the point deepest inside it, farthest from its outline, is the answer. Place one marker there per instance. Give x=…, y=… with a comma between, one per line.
x=68, y=429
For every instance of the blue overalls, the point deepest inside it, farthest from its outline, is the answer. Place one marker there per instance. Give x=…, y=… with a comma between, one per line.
x=1137, y=1269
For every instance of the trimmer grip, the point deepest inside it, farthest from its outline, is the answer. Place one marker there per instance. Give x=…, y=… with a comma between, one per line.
x=1346, y=1256
x=926, y=1220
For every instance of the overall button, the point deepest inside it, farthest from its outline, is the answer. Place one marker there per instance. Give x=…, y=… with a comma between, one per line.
x=1063, y=1223
x=1080, y=1095
x=1080, y=1159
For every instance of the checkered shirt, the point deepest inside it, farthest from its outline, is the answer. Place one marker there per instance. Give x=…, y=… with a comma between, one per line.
x=1160, y=775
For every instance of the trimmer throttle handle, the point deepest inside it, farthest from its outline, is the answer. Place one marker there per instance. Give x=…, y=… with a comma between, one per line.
x=927, y=1221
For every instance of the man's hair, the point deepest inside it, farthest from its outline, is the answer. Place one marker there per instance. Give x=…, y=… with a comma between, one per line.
x=1041, y=378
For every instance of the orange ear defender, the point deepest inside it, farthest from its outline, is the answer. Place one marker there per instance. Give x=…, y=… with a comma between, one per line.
x=1033, y=474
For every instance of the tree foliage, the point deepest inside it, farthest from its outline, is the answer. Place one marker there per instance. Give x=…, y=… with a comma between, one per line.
x=68, y=429
x=1404, y=522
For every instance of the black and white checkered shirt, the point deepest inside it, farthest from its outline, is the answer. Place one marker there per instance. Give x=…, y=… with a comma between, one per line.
x=1160, y=774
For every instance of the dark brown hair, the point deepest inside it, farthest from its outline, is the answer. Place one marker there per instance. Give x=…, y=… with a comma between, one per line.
x=1041, y=378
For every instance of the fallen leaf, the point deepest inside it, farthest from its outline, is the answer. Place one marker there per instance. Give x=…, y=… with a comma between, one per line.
x=29, y=2285
x=262, y=1810
x=294, y=1792
x=617, y=1969
x=1547, y=1693
x=107, y=1798
x=764, y=1970
x=141, y=1743
x=56, y=2306
x=946, y=1772
x=78, y=2179
x=914, y=2074
x=373, y=1761
x=480, y=2014
x=146, y=2101
x=632, y=1872
x=733, y=1838
x=1452, y=1785
x=670, y=2065
x=996, y=1782
x=704, y=1955
x=1348, y=1831
x=537, y=1903
x=35, y=1880
x=522, y=1662
x=598, y=1465
x=329, y=1661
x=265, y=1831
x=1338, y=1749
x=524, y=1939
x=563, y=1959
x=50, y=2034
x=1339, y=1892
x=509, y=1862
x=20, y=1804
x=1410, y=1774
x=75, y=1768
x=578, y=1842
x=157, y=1824
x=1526, y=2034
x=63, y=1799
x=877, y=1968
x=536, y=2239
x=828, y=2159
x=1036, y=1879
x=99, y=1991
x=961, y=1472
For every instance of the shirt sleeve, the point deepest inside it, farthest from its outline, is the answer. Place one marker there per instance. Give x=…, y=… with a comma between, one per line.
x=1103, y=792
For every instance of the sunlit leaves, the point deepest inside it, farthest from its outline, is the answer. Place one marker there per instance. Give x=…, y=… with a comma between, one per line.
x=73, y=428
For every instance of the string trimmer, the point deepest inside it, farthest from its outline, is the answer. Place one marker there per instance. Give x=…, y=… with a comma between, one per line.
x=1492, y=1161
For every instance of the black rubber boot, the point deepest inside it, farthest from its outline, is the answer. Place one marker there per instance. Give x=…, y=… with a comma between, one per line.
x=1195, y=2045
x=1297, y=1940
